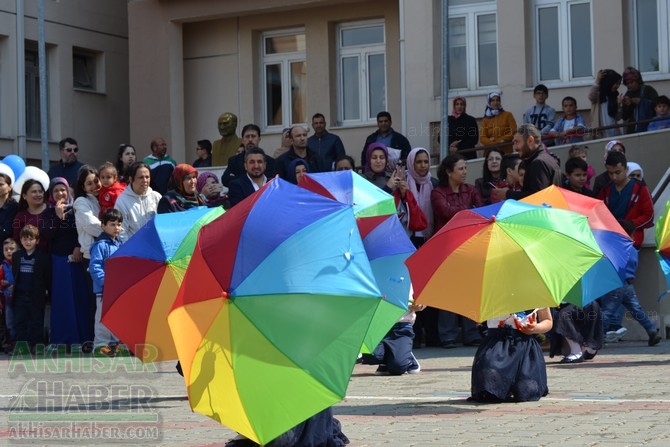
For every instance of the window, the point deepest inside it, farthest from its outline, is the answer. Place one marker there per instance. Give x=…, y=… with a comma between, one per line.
x=85, y=69
x=563, y=43
x=650, y=46
x=284, y=79
x=473, y=47
x=361, y=71
x=32, y=75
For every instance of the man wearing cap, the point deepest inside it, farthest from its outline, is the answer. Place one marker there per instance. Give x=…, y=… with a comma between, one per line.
x=68, y=165
x=541, y=115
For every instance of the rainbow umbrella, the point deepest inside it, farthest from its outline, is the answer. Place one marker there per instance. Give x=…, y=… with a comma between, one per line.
x=268, y=324
x=503, y=258
x=609, y=273
x=142, y=279
x=384, y=238
x=662, y=234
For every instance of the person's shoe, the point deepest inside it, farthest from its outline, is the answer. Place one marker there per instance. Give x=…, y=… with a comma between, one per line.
x=104, y=351
x=450, y=344
x=121, y=350
x=589, y=355
x=573, y=358
x=654, y=337
x=415, y=367
x=382, y=370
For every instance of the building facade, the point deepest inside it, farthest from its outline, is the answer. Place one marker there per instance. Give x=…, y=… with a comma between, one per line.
x=86, y=72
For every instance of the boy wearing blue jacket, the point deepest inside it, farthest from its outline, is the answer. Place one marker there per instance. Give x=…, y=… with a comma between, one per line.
x=104, y=342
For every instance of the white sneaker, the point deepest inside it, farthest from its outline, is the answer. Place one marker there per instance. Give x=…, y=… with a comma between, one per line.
x=415, y=368
x=621, y=332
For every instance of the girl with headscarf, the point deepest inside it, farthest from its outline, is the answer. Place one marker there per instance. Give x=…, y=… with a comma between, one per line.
x=296, y=169
x=637, y=103
x=420, y=183
x=604, y=96
x=182, y=191
x=463, y=130
x=498, y=125
x=209, y=188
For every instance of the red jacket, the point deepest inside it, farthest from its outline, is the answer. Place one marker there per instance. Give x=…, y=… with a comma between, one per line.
x=640, y=208
x=416, y=220
x=446, y=203
x=108, y=195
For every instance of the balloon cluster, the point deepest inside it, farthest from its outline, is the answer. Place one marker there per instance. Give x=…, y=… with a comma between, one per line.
x=17, y=171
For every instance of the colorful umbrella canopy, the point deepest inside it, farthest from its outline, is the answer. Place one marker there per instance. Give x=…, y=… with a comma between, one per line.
x=142, y=279
x=611, y=238
x=662, y=234
x=370, y=204
x=503, y=258
x=268, y=324
x=384, y=238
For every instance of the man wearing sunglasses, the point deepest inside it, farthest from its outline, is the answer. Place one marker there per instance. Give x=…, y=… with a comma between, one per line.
x=68, y=165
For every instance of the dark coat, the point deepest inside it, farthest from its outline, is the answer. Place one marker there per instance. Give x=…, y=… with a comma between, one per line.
x=235, y=169
x=398, y=141
x=240, y=188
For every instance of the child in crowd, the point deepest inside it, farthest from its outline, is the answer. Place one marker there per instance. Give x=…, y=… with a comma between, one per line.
x=540, y=114
x=345, y=163
x=570, y=128
x=575, y=176
x=210, y=188
x=111, y=187
x=394, y=353
x=509, y=364
x=7, y=333
x=635, y=171
x=661, y=107
x=104, y=342
x=582, y=152
x=32, y=279
x=611, y=304
x=510, y=166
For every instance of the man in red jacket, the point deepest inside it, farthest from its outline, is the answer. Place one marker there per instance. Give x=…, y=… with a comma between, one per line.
x=628, y=199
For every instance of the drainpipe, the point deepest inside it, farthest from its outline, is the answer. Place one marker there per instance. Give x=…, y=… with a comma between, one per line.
x=444, y=95
x=41, y=49
x=403, y=70
x=20, y=80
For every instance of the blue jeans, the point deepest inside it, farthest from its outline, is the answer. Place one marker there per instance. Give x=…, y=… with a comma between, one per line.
x=627, y=297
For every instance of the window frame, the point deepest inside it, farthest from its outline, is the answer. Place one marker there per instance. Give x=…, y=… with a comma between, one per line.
x=95, y=61
x=471, y=13
x=662, y=24
x=284, y=60
x=363, y=52
x=565, y=46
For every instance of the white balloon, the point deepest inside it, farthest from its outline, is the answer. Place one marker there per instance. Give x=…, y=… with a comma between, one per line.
x=6, y=169
x=31, y=173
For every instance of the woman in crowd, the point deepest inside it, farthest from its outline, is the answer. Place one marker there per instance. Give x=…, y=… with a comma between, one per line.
x=138, y=202
x=451, y=196
x=492, y=175
x=345, y=163
x=124, y=160
x=204, y=152
x=70, y=303
x=210, y=188
x=376, y=168
x=604, y=97
x=182, y=191
x=8, y=207
x=637, y=103
x=463, y=130
x=296, y=170
x=498, y=125
x=33, y=210
x=86, y=211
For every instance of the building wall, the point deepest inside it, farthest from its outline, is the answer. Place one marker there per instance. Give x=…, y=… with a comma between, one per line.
x=98, y=120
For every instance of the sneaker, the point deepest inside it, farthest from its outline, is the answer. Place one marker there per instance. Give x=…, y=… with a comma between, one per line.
x=654, y=337
x=382, y=370
x=620, y=333
x=104, y=351
x=415, y=367
x=121, y=350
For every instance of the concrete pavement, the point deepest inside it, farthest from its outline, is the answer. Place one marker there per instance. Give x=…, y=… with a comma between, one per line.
x=621, y=398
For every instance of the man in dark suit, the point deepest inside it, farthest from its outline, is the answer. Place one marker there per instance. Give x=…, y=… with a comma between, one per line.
x=251, y=137
x=254, y=179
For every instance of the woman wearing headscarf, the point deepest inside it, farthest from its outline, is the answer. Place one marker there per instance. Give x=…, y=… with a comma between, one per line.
x=498, y=125
x=376, y=168
x=463, y=130
x=604, y=95
x=182, y=191
x=637, y=103
x=70, y=300
x=296, y=169
x=209, y=187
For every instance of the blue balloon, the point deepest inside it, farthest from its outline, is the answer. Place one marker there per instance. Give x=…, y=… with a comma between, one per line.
x=16, y=163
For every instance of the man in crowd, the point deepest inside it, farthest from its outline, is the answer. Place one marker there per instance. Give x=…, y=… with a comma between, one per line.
x=387, y=136
x=160, y=164
x=298, y=149
x=251, y=137
x=68, y=165
x=327, y=146
x=254, y=178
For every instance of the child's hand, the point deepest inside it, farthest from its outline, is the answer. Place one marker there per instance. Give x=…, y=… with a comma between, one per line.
x=416, y=307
